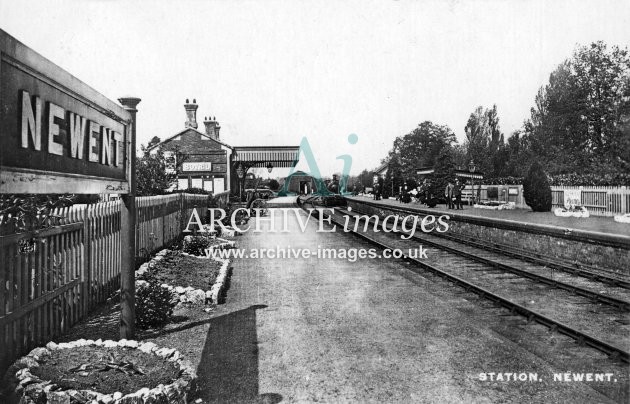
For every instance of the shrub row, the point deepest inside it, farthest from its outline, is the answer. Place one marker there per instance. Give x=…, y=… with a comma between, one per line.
x=602, y=180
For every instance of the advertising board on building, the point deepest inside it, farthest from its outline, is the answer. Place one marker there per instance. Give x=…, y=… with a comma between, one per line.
x=57, y=134
x=198, y=166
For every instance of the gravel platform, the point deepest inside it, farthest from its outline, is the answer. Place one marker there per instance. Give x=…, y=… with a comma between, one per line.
x=309, y=330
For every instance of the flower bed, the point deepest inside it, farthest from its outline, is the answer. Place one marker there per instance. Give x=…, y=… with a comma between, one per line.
x=176, y=268
x=102, y=372
x=495, y=205
x=573, y=211
x=205, y=277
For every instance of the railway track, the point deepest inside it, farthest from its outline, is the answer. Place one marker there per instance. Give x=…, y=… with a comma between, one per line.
x=595, y=319
x=609, y=277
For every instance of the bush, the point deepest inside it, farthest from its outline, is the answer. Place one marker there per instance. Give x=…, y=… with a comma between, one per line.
x=536, y=189
x=573, y=179
x=493, y=192
x=154, y=305
x=198, y=191
x=274, y=185
x=196, y=245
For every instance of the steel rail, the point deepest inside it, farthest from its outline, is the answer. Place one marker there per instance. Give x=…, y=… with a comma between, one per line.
x=538, y=259
x=575, y=270
x=619, y=303
x=515, y=308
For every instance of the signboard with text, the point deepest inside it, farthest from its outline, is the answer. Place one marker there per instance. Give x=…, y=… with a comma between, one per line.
x=57, y=134
x=199, y=166
x=572, y=197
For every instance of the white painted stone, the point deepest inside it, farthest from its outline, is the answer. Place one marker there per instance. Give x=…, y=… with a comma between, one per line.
x=147, y=347
x=39, y=353
x=143, y=391
x=196, y=296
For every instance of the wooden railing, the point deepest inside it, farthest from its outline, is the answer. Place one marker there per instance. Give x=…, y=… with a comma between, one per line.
x=600, y=201
x=72, y=267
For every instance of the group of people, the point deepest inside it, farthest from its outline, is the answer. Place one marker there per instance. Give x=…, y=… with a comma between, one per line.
x=454, y=192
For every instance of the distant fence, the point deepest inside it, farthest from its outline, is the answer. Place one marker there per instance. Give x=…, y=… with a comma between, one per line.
x=76, y=265
x=600, y=200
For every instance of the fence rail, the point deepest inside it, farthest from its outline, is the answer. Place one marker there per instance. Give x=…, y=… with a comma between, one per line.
x=51, y=278
x=600, y=201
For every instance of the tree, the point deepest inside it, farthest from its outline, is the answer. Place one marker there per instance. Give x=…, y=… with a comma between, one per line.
x=365, y=179
x=393, y=177
x=577, y=123
x=274, y=185
x=155, y=140
x=484, y=140
x=421, y=147
x=536, y=189
x=443, y=173
x=152, y=176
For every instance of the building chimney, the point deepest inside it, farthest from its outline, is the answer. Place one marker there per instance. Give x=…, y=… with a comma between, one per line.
x=191, y=114
x=212, y=127
x=216, y=130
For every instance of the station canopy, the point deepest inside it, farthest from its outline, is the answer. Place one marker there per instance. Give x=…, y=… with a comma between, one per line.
x=475, y=175
x=261, y=156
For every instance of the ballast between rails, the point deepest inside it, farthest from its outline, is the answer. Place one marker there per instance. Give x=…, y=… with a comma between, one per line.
x=515, y=308
x=538, y=259
x=510, y=251
x=621, y=304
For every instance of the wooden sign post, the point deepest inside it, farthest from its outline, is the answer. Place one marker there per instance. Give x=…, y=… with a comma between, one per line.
x=58, y=135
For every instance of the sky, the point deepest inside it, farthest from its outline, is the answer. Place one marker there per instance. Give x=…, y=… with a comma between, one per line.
x=274, y=72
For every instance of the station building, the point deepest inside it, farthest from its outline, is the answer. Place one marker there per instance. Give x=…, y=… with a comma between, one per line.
x=209, y=163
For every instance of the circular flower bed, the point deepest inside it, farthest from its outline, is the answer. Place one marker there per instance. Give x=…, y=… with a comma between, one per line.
x=105, y=372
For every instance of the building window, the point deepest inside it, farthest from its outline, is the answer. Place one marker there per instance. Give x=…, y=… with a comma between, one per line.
x=197, y=182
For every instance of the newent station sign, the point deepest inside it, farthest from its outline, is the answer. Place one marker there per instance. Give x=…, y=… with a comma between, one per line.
x=58, y=135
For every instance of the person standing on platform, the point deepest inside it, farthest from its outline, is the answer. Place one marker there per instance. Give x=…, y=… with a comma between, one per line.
x=457, y=192
x=448, y=193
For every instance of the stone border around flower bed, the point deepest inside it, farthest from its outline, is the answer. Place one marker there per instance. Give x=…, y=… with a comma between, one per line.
x=30, y=389
x=190, y=294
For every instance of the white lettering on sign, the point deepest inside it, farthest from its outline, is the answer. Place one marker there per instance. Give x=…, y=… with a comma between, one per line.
x=572, y=198
x=103, y=143
x=78, y=126
x=31, y=121
x=201, y=166
x=54, y=111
